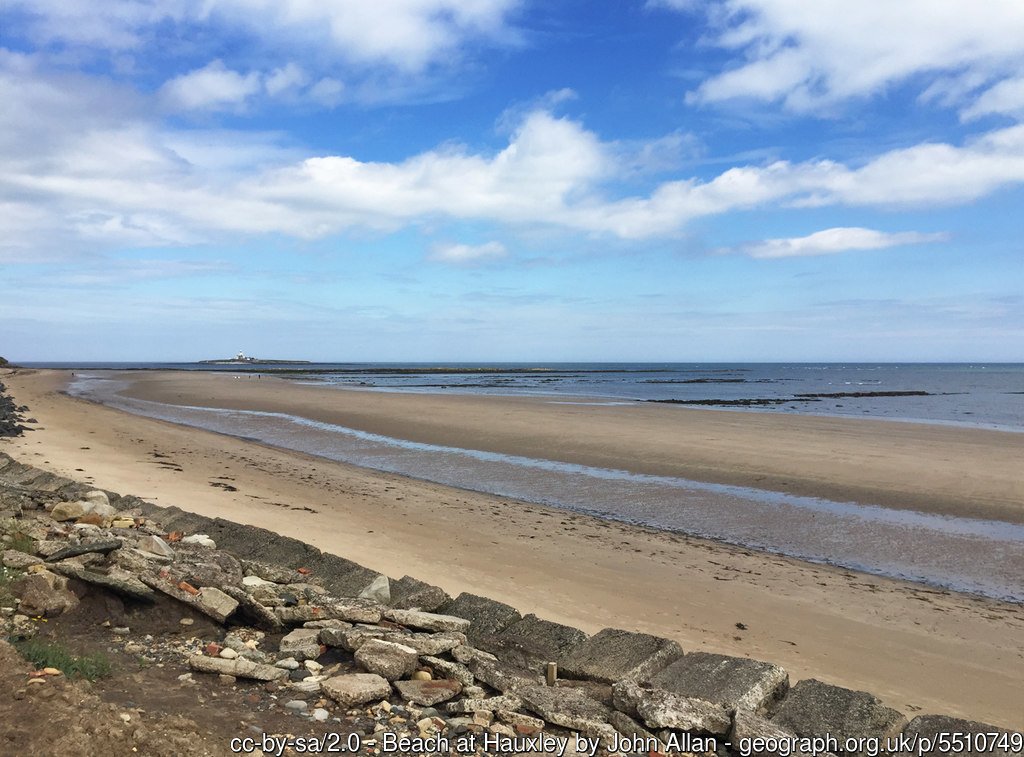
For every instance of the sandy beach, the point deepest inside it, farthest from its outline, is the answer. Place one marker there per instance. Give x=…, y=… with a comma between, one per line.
x=920, y=649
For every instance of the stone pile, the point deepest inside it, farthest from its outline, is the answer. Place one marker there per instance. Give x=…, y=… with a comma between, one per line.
x=337, y=640
x=11, y=414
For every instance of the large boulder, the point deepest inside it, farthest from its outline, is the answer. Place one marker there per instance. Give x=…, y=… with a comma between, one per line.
x=737, y=682
x=812, y=708
x=487, y=617
x=659, y=708
x=613, y=655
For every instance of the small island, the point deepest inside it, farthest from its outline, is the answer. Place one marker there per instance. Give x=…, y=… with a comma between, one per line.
x=242, y=359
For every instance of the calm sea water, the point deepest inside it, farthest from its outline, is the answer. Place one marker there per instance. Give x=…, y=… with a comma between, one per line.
x=989, y=395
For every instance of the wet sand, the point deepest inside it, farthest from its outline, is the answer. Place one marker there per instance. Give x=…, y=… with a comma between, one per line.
x=921, y=650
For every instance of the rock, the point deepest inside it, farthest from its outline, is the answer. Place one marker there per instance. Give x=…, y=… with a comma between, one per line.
x=252, y=581
x=97, y=546
x=228, y=654
x=512, y=718
x=118, y=582
x=105, y=513
x=487, y=617
x=239, y=668
x=451, y=670
x=356, y=688
x=215, y=603
x=387, y=659
x=422, y=675
x=288, y=663
x=96, y=497
x=812, y=708
x=296, y=705
x=491, y=704
x=428, y=621
x=201, y=540
x=252, y=612
x=378, y=590
x=737, y=682
x=659, y=708
x=613, y=655
x=626, y=726
x=960, y=745
x=503, y=677
x=200, y=566
x=430, y=643
x=122, y=522
x=755, y=730
x=65, y=511
x=154, y=545
x=312, y=666
x=467, y=654
x=569, y=708
x=321, y=715
x=308, y=685
x=302, y=644
x=408, y=593
x=428, y=693
x=12, y=558
x=352, y=611
x=43, y=594
x=532, y=641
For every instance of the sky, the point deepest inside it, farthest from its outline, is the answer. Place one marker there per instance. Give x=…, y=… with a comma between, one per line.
x=512, y=180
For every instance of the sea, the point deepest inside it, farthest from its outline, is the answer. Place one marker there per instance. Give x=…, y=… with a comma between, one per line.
x=970, y=555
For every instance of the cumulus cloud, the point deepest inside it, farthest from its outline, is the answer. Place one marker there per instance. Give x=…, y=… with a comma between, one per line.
x=809, y=55
x=839, y=239
x=214, y=86
x=467, y=254
x=119, y=179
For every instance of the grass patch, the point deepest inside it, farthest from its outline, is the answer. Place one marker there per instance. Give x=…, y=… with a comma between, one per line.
x=7, y=575
x=48, y=654
x=22, y=543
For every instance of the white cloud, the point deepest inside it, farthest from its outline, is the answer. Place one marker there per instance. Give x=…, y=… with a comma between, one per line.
x=327, y=92
x=212, y=87
x=117, y=179
x=840, y=239
x=465, y=254
x=1006, y=97
x=406, y=34
x=282, y=80
x=809, y=55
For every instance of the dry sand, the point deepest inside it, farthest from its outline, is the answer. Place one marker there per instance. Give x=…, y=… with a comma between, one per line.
x=921, y=650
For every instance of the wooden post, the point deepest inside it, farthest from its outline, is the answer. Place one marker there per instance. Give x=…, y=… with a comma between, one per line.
x=552, y=673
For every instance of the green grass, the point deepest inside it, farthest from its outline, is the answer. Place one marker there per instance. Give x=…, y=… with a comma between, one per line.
x=22, y=543
x=6, y=576
x=48, y=654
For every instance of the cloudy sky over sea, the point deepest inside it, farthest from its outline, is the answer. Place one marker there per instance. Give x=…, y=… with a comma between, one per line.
x=512, y=179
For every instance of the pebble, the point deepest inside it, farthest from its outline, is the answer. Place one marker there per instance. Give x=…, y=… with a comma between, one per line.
x=226, y=679
x=186, y=621
x=320, y=714
x=228, y=654
x=422, y=675
x=52, y=671
x=122, y=630
x=313, y=666
x=297, y=705
x=288, y=663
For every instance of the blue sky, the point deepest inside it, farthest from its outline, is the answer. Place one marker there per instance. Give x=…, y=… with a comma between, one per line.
x=668, y=180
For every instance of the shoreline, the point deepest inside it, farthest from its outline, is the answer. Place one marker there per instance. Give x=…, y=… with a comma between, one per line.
x=917, y=648
x=929, y=468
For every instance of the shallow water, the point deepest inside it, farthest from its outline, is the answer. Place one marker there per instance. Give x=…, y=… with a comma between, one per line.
x=977, y=556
